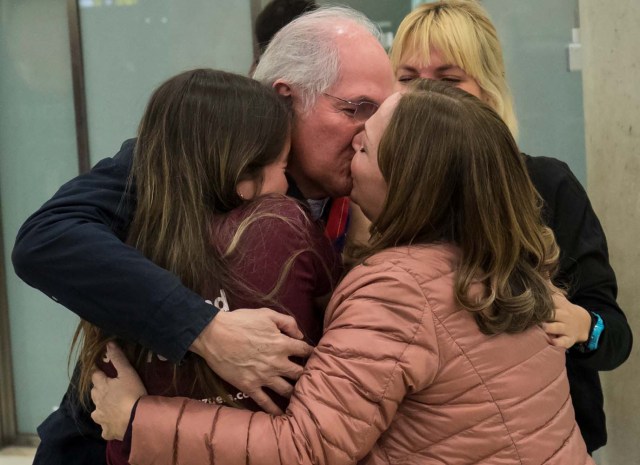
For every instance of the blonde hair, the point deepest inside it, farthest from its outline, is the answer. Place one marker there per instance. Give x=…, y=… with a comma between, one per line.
x=465, y=36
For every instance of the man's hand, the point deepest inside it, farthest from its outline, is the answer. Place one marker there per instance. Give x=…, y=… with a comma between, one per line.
x=115, y=397
x=248, y=349
x=571, y=323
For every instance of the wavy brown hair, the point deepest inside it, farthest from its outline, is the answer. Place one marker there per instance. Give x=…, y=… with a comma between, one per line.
x=455, y=174
x=202, y=132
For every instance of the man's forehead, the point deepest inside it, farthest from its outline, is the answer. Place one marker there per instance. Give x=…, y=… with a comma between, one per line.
x=365, y=72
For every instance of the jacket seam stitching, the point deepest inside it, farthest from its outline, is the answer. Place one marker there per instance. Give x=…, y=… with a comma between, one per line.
x=418, y=326
x=484, y=385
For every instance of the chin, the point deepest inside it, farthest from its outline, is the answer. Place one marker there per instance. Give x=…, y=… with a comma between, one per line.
x=369, y=215
x=343, y=190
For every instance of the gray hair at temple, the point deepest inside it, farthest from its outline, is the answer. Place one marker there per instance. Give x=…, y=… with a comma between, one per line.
x=305, y=54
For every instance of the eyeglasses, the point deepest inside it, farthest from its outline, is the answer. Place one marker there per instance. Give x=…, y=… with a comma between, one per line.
x=359, y=111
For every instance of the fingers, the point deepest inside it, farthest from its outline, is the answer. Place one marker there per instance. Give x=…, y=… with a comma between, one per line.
x=553, y=329
x=285, y=323
x=98, y=381
x=560, y=334
x=563, y=341
x=117, y=358
x=95, y=397
x=296, y=348
x=98, y=378
x=251, y=349
x=97, y=417
x=282, y=387
x=290, y=370
x=265, y=402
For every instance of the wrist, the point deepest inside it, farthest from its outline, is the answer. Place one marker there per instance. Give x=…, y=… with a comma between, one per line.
x=587, y=325
x=200, y=345
x=595, y=331
x=126, y=440
x=197, y=346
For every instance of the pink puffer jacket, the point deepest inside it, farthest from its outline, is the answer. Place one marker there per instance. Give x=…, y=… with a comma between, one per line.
x=402, y=375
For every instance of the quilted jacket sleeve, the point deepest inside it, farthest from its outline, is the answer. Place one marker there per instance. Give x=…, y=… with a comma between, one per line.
x=378, y=347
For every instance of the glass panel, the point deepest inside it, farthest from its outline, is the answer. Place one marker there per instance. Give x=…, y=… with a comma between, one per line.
x=535, y=37
x=388, y=14
x=548, y=97
x=131, y=46
x=38, y=154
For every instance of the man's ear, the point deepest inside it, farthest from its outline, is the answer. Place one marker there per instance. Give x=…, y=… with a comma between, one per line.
x=283, y=89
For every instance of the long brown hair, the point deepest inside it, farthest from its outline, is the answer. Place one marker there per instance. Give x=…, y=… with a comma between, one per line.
x=455, y=174
x=202, y=132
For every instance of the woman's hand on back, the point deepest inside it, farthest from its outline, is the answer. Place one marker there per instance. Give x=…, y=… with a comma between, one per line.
x=114, y=398
x=571, y=324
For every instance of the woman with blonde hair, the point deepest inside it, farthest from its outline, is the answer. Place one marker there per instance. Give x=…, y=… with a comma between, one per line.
x=432, y=350
x=209, y=171
x=455, y=41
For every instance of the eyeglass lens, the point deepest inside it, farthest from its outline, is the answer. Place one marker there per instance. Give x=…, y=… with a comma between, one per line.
x=362, y=110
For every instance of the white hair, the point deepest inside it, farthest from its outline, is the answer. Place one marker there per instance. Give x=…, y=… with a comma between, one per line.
x=305, y=54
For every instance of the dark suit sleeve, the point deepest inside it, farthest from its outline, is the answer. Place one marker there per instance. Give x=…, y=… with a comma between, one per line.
x=584, y=260
x=72, y=249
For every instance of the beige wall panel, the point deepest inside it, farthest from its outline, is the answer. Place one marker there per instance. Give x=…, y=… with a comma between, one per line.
x=610, y=38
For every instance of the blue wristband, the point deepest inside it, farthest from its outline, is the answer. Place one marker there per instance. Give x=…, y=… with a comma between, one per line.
x=596, y=332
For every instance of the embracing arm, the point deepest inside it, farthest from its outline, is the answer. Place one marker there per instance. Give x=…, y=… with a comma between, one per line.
x=72, y=249
x=379, y=346
x=584, y=262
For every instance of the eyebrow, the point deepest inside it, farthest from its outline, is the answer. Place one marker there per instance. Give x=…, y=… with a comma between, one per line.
x=362, y=98
x=408, y=68
x=438, y=69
